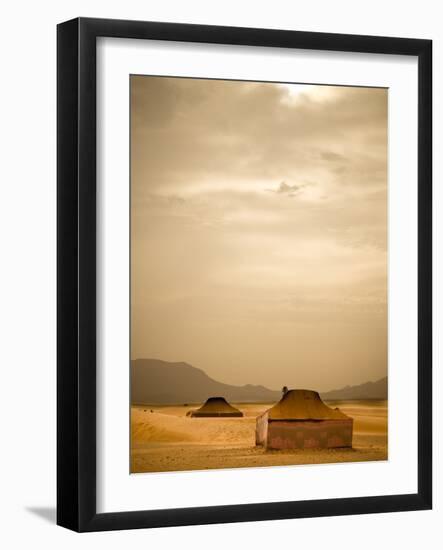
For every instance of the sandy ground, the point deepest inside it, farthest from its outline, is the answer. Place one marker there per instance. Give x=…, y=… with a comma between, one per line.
x=165, y=439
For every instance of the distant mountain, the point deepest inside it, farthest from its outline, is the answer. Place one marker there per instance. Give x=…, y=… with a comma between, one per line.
x=369, y=390
x=161, y=382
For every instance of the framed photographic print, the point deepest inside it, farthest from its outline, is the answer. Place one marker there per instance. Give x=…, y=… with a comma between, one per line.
x=244, y=274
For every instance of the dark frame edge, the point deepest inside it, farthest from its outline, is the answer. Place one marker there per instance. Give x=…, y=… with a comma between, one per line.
x=424, y=178
x=254, y=512
x=67, y=278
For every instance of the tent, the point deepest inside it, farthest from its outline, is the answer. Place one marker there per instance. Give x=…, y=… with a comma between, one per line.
x=216, y=406
x=301, y=420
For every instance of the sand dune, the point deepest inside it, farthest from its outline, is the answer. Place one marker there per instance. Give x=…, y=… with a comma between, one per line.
x=150, y=426
x=165, y=439
x=370, y=417
x=165, y=426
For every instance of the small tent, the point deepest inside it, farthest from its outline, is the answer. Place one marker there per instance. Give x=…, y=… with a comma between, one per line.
x=216, y=407
x=301, y=420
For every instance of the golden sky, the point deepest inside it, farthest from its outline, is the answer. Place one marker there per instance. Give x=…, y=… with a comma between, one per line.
x=259, y=230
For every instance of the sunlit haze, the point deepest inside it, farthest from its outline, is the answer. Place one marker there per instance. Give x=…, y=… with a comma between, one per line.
x=259, y=230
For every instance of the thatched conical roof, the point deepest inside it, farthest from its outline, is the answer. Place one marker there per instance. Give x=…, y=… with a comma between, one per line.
x=303, y=405
x=216, y=406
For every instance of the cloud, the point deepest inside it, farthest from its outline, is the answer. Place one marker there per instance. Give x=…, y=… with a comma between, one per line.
x=175, y=199
x=331, y=156
x=212, y=240
x=288, y=190
x=187, y=130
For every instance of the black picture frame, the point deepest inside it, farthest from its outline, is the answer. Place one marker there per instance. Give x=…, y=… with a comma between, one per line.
x=76, y=274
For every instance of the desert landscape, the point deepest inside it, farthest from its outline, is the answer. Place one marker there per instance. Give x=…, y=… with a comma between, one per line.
x=258, y=320
x=164, y=439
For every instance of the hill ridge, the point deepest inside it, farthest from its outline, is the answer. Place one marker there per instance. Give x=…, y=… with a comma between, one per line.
x=156, y=381
x=368, y=390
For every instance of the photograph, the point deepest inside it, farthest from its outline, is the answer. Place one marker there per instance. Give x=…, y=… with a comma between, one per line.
x=258, y=274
